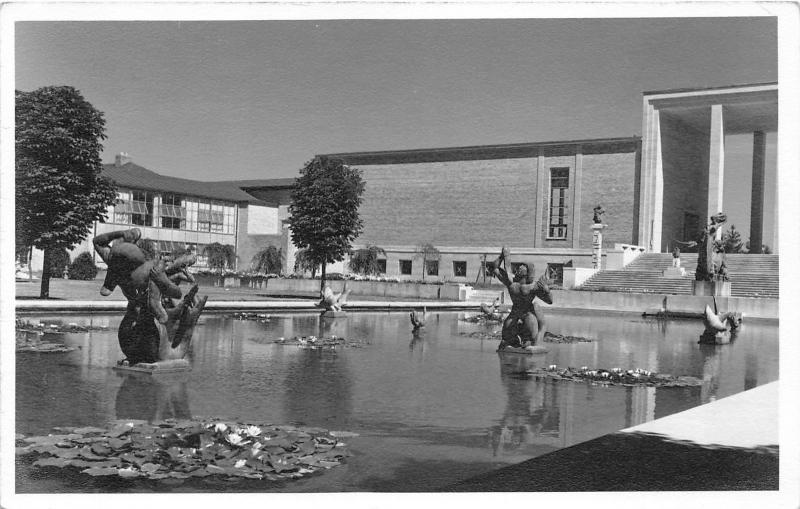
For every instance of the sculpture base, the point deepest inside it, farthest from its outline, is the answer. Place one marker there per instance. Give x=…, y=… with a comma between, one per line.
x=528, y=350
x=153, y=368
x=711, y=288
x=720, y=338
x=333, y=314
x=674, y=272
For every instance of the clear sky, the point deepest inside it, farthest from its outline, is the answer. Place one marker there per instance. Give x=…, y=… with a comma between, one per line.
x=223, y=100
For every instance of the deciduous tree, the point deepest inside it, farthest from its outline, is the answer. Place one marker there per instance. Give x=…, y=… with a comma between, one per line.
x=60, y=191
x=324, y=211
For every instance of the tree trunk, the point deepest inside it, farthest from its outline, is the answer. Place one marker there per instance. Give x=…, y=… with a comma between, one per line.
x=322, y=278
x=424, y=268
x=44, y=291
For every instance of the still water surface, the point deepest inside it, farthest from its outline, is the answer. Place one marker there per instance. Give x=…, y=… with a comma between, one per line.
x=429, y=411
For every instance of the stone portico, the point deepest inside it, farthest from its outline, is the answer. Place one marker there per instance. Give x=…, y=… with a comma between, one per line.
x=683, y=157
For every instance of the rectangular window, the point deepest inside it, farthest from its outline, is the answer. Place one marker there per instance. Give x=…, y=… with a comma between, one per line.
x=557, y=217
x=405, y=267
x=172, y=211
x=432, y=267
x=555, y=273
x=459, y=269
x=381, y=266
x=142, y=208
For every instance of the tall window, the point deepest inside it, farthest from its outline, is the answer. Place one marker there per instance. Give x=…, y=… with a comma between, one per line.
x=432, y=267
x=557, y=223
x=173, y=213
x=142, y=208
x=459, y=269
x=405, y=267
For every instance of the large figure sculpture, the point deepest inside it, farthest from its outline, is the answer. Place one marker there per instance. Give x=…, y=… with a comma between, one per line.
x=525, y=324
x=153, y=328
x=711, y=264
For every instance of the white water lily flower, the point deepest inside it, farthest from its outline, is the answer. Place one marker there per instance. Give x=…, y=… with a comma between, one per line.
x=252, y=431
x=233, y=439
x=240, y=463
x=220, y=427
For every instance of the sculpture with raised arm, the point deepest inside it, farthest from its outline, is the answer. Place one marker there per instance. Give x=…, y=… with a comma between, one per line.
x=711, y=264
x=525, y=324
x=153, y=328
x=333, y=301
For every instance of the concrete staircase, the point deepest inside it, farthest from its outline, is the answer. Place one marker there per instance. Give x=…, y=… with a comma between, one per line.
x=750, y=276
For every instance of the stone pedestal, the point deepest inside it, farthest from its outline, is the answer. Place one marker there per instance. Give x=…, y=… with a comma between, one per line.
x=333, y=314
x=674, y=272
x=597, y=245
x=153, y=368
x=711, y=288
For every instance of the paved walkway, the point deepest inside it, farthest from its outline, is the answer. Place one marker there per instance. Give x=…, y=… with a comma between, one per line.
x=730, y=444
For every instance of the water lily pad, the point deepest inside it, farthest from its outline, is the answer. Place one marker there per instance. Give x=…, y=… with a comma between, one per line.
x=100, y=471
x=342, y=434
x=118, y=443
x=118, y=431
x=328, y=464
x=51, y=462
x=23, y=450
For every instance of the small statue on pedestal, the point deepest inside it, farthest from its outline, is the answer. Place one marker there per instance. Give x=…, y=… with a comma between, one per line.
x=333, y=302
x=598, y=211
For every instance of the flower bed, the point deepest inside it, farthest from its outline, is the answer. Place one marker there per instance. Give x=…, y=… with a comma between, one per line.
x=189, y=448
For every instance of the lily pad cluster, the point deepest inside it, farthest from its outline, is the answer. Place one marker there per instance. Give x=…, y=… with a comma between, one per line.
x=54, y=328
x=173, y=449
x=549, y=337
x=483, y=318
x=615, y=376
x=322, y=343
x=257, y=317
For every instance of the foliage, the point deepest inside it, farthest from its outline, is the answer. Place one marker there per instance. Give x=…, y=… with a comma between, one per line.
x=268, y=260
x=179, y=449
x=324, y=211
x=304, y=262
x=365, y=260
x=429, y=254
x=83, y=267
x=732, y=240
x=765, y=249
x=59, y=261
x=60, y=190
x=220, y=256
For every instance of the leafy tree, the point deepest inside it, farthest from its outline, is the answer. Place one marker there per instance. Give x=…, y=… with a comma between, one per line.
x=732, y=240
x=324, y=211
x=429, y=254
x=268, y=260
x=83, y=267
x=365, y=260
x=219, y=255
x=303, y=262
x=60, y=191
x=59, y=260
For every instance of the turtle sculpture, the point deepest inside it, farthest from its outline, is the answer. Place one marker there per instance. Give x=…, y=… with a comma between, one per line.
x=154, y=329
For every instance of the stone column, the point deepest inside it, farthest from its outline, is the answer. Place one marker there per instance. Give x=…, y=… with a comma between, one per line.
x=716, y=164
x=757, y=193
x=597, y=246
x=576, y=201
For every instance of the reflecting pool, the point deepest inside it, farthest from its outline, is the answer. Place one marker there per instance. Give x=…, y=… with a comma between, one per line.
x=429, y=410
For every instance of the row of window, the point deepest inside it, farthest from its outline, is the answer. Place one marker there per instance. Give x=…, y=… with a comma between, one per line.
x=173, y=211
x=555, y=271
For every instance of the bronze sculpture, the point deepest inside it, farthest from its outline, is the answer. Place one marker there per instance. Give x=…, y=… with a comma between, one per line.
x=154, y=328
x=598, y=211
x=711, y=265
x=525, y=324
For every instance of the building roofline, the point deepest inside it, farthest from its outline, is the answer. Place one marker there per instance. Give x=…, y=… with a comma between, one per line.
x=499, y=151
x=709, y=89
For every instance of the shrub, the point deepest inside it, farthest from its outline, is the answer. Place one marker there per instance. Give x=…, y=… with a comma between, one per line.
x=59, y=260
x=83, y=267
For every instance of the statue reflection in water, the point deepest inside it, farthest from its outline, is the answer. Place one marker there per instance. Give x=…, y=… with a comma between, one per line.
x=153, y=397
x=527, y=417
